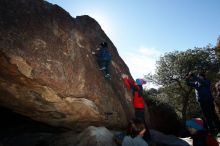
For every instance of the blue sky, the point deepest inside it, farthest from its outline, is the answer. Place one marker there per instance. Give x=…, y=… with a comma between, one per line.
x=143, y=30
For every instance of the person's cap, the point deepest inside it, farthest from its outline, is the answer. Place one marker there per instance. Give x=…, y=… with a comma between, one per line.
x=141, y=81
x=196, y=123
x=104, y=44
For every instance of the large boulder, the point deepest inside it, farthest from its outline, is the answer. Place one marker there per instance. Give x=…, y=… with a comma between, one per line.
x=91, y=136
x=218, y=47
x=163, y=117
x=96, y=136
x=48, y=72
x=217, y=85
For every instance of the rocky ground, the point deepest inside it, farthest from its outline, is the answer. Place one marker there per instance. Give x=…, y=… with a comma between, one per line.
x=17, y=130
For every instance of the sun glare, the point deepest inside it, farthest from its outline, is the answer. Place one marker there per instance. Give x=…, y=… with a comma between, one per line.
x=104, y=22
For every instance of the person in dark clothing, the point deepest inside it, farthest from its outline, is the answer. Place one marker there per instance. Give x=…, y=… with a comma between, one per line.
x=104, y=59
x=135, y=133
x=198, y=134
x=205, y=99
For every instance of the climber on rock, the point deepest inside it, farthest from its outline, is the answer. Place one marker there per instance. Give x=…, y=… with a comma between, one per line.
x=104, y=59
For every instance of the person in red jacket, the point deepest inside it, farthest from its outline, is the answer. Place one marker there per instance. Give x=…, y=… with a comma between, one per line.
x=137, y=91
x=138, y=103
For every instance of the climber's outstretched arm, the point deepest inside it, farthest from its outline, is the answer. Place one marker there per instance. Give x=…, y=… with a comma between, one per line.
x=128, y=82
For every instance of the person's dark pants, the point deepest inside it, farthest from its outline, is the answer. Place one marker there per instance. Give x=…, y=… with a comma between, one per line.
x=104, y=64
x=211, y=118
x=139, y=114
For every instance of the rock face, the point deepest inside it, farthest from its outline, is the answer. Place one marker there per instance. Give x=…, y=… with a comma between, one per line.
x=48, y=72
x=218, y=47
x=164, y=117
x=217, y=99
x=91, y=136
x=96, y=136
